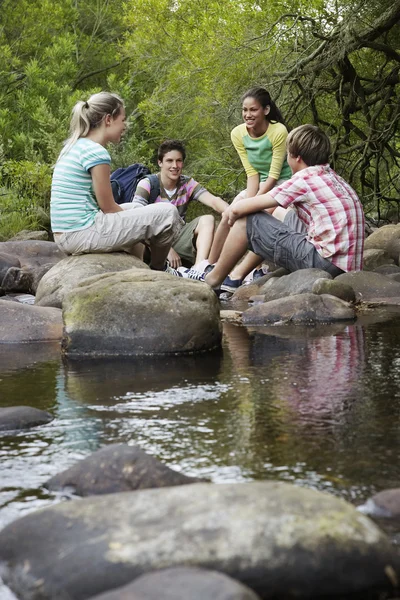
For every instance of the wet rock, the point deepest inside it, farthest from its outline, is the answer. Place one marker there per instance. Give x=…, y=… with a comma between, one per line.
x=139, y=312
x=372, y=287
x=298, y=282
x=182, y=583
x=117, y=468
x=374, y=258
x=334, y=288
x=384, y=504
x=68, y=273
x=303, y=308
x=26, y=235
x=25, y=323
x=281, y=540
x=22, y=417
x=382, y=237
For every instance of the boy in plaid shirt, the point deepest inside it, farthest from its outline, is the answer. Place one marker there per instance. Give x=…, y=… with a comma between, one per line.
x=317, y=219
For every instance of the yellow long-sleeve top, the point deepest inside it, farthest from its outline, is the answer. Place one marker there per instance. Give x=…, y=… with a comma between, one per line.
x=264, y=156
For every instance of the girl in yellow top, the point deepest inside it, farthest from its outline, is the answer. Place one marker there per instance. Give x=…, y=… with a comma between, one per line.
x=260, y=142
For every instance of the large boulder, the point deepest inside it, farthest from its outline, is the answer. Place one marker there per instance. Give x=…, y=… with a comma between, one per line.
x=281, y=540
x=303, y=308
x=381, y=238
x=333, y=287
x=372, y=287
x=22, y=417
x=181, y=583
x=32, y=260
x=139, y=312
x=298, y=282
x=116, y=468
x=375, y=258
x=68, y=273
x=26, y=323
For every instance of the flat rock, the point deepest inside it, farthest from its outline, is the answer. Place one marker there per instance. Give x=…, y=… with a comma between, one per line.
x=26, y=323
x=280, y=540
x=22, y=417
x=116, y=468
x=138, y=312
x=303, y=308
x=69, y=273
x=371, y=287
x=298, y=282
x=182, y=583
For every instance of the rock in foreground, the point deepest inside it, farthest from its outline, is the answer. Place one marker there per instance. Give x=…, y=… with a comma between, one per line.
x=140, y=312
x=117, y=468
x=280, y=540
x=181, y=583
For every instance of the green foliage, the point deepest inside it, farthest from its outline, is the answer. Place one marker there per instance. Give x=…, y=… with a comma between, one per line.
x=182, y=66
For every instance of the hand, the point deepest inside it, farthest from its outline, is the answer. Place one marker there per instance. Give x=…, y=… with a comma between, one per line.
x=231, y=215
x=174, y=259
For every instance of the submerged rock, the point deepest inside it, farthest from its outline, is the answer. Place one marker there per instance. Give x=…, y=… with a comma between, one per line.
x=140, y=312
x=22, y=417
x=117, y=468
x=181, y=583
x=281, y=540
x=71, y=271
x=26, y=323
x=303, y=308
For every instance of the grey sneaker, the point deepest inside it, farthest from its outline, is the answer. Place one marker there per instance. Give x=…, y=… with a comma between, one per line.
x=171, y=271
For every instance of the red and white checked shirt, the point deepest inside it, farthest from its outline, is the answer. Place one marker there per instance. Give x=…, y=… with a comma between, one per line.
x=331, y=211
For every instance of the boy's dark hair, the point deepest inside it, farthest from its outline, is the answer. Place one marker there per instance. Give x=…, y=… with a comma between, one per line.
x=169, y=145
x=310, y=143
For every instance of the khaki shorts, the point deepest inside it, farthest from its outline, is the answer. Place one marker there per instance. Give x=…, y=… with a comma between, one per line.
x=158, y=224
x=185, y=245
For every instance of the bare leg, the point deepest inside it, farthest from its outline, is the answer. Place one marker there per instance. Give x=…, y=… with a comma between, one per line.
x=250, y=262
x=234, y=248
x=204, y=234
x=219, y=240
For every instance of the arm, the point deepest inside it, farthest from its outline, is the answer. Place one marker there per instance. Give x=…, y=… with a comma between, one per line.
x=253, y=184
x=213, y=202
x=142, y=193
x=102, y=188
x=249, y=206
x=266, y=185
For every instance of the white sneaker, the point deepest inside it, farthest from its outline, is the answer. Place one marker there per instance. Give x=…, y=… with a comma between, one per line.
x=193, y=274
x=203, y=264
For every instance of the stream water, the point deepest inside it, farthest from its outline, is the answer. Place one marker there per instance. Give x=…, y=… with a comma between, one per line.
x=319, y=407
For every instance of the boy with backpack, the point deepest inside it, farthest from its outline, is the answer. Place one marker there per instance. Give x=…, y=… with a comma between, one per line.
x=170, y=185
x=318, y=219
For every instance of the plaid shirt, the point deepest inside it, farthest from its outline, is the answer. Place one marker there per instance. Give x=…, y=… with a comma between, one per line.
x=331, y=211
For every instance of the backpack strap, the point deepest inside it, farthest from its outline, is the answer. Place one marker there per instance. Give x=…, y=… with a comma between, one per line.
x=154, y=187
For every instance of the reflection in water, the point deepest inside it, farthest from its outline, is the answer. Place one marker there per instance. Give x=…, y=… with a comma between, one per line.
x=316, y=406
